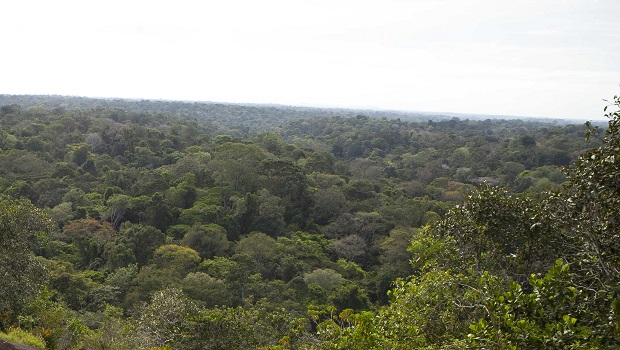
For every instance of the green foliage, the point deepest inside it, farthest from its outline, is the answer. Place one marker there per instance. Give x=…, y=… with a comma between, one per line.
x=258, y=203
x=547, y=317
x=208, y=240
x=204, y=288
x=162, y=321
x=349, y=330
x=258, y=245
x=117, y=206
x=349, y=296
x=235, y=165
x=91, y=238
x=142, y=240
x=23, y=228
x=114, y=332
x=172, y=256
x=237, y=328
x=55, y=321
x=327, y=279
x=498, y=232
x=591, y=197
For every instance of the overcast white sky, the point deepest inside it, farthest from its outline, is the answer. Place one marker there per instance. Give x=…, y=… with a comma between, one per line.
x=526, y=58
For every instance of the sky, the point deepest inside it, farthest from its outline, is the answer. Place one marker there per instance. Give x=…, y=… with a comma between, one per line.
x=536, y=58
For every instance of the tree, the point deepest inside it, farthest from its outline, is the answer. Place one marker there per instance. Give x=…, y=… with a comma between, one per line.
x=327, y=279
x=499, y=232
x=395, y=259
x=547, y=314
x=350, y=247
x=117, y=205
x=163, y=320
x=175, y=257
x=591, y=202
x=79, y=153
x=96, y=142
x=270, y=216
x=91, y=238
x=586, y=213
x=288, y=181
x=471, y=291
x=258, y=245
x=115, y=332
x=23, y=227
x=210, y=291
x=208, y=240
x=122, y=278
x=348, y=295
x=143, y=240
x=255, y=327
x=350, y=330
x=235, y=164
x=329, y=203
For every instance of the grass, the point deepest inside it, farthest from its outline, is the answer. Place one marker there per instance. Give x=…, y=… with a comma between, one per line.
x=19, y=336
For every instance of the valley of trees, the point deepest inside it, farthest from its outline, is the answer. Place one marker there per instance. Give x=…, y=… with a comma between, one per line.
x=170, y=225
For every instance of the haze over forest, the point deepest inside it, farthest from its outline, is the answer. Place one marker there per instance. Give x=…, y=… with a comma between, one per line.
x=251, y=112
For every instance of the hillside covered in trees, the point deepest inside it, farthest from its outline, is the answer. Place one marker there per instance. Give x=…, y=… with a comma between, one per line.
x=152, y=224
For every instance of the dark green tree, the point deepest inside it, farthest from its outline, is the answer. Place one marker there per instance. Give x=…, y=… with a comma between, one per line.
x=23, y=228
x=208, y=240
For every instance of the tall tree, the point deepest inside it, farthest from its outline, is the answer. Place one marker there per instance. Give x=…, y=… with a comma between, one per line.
x=22, y=229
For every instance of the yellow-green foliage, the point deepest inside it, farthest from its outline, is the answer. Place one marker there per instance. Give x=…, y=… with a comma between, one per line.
x=20, y=336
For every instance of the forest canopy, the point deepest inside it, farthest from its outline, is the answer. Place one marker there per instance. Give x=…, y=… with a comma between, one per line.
x=139, y=224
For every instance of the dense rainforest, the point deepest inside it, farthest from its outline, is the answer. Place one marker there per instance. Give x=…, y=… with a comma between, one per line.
x=171, y=225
